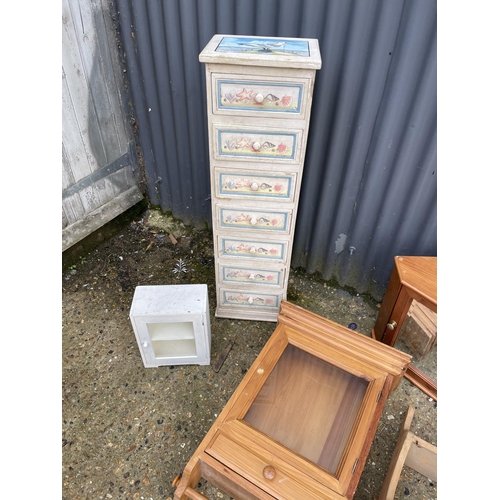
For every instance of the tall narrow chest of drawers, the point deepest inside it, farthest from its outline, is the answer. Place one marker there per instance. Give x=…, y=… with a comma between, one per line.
x=259, y=95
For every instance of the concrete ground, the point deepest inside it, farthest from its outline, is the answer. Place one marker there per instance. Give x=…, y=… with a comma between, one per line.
x=127, y=430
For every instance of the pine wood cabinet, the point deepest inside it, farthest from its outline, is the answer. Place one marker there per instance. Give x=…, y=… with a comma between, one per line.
x=259, y=94
x=300, y=424
x=413, y=279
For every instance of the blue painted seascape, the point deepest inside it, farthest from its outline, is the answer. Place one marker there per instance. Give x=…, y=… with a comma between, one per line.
x=271, y=46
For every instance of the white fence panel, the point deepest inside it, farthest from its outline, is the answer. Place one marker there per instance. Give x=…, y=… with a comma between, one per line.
x=98, y=152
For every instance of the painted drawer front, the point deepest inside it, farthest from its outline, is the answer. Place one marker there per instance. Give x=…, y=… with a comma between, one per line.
x=261, y=220
x=253, y=185
x=252, y=144
x=249, y=299
x=234, y=274
x=258, y=96
x=252, y=249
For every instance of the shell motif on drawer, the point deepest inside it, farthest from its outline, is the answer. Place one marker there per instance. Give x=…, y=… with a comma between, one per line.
x=257, y=144
x=255, y=186
x=230, y=297
x=247, y=95
x=254, y=219
x=248, y=275
x=253, y=249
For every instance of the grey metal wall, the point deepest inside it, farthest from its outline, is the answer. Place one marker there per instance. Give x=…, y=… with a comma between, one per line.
x=369, y=186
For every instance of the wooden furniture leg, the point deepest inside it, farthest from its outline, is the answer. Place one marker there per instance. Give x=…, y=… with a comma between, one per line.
x=412, y=452
x=194, y=495
x=186, y=484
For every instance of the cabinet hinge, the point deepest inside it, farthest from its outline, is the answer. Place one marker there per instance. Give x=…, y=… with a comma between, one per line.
x=355, y=465
x=379, y=396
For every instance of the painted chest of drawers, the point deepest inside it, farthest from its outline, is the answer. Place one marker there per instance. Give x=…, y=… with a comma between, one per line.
x=259, y=95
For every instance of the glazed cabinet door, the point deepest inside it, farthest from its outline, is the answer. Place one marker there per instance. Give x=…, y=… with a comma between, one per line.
x=301, y=422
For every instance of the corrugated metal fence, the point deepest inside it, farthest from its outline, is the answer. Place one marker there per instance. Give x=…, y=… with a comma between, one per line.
x=369, y=186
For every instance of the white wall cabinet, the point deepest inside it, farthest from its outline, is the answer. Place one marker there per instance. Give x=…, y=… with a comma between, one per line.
x=172, y=324
x=259, y=94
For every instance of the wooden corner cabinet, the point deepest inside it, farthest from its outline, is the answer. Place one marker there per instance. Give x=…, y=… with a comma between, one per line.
x=300, y=424
x=413, y=280
x=259, y=96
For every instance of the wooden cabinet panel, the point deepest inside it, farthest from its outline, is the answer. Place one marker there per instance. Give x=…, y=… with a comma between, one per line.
x=301, y=422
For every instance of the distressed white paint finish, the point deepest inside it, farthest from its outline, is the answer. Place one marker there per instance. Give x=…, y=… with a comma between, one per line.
x=95, y=132
x=172, y=324
x=250, y=144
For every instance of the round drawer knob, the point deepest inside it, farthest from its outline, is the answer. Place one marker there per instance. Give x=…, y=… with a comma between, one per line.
x=259, y=98
x=392, y=325
x=256, y=145
x=269, y=472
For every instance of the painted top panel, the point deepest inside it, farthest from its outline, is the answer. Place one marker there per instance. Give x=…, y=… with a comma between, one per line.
x=263, y=51
x=266, y=46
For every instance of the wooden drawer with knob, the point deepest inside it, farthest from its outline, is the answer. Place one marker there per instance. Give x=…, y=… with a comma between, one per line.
x=244, y=218
x=267, y=276
x=257, y=145
x=268, y=472
x=230, y=249
x=250, y=95
x=259, y=186
x=250, y=303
